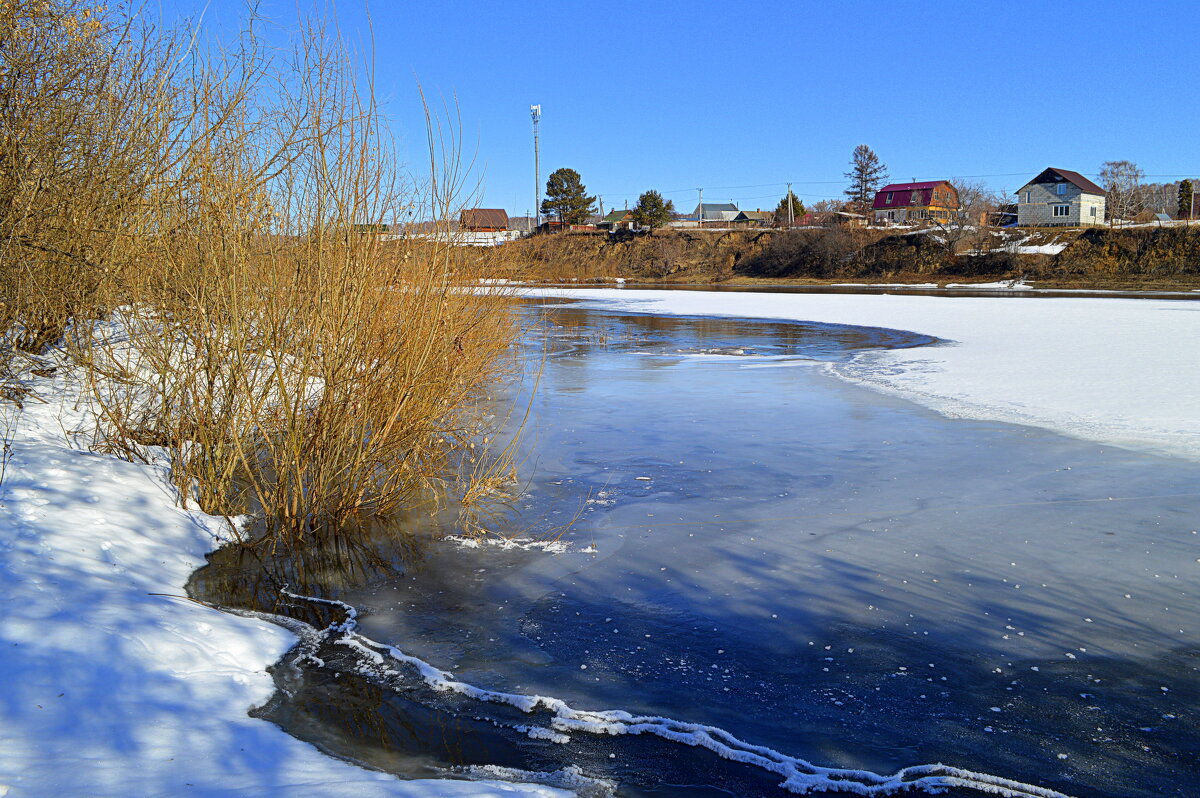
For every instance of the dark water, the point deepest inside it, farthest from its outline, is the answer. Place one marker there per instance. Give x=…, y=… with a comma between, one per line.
x=758, y=546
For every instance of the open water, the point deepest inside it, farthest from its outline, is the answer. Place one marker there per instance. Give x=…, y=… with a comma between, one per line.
x=747, y=542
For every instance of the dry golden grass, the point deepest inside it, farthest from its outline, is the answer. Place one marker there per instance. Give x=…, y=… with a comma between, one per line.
x=193, y=233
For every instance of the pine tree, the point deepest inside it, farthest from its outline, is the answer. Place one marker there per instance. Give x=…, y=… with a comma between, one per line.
x=781, y=210
x=567, y=198
x=1186, y=198
x=652, y=210
x=866, y=175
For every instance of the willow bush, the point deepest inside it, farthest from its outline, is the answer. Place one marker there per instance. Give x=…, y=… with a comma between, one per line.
x=201, y=225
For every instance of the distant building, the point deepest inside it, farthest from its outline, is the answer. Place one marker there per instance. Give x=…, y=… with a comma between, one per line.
x=1058, y=197
x=617, y=220
x=711, y=212
x=484, y=220
x=523, y=224
x=831, y=219
x=372, y=229
x=754, y=219
x=915, y=203
x=1003, y=216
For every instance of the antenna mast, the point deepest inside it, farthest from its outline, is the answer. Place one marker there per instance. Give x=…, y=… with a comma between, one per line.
x=535, y=111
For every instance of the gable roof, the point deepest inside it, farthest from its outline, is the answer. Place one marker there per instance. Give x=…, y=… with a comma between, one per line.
x=717, y=211
x=484, y=217
x=754, y=216
x=905, y=194
x=1053, y=175
x=618, y=216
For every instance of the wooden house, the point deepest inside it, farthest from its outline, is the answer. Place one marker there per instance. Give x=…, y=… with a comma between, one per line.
x=915, y=203
x=484, y=220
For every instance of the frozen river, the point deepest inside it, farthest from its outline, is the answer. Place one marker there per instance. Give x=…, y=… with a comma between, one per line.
x=755, y=545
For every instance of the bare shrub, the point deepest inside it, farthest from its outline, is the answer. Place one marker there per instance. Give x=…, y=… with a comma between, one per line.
x=817, y=253
x=293, y=366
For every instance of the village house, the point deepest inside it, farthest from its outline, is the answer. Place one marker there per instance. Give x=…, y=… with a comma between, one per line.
x=617, y=220
x=484, y=220
x=1059, y=197
x=753, y=219
x=711, y=212
x=916, y=203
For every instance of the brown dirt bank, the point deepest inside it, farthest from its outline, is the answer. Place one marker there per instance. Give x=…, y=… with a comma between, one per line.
x=1149, y=258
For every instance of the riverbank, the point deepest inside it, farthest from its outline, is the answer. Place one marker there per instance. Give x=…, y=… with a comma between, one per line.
x=1127, y=259
x=112, y=683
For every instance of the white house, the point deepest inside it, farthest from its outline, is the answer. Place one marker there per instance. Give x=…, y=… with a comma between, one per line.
x=1059, y=197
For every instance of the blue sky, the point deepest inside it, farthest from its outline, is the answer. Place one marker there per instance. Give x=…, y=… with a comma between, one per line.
x=740, y=98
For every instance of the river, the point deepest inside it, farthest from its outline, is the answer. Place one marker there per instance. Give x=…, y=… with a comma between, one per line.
x=744, y=542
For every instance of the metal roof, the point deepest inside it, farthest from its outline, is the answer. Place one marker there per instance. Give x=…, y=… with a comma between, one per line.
x=716, y=210
x=903, y=194
x=1053, y=175
x=473, y=218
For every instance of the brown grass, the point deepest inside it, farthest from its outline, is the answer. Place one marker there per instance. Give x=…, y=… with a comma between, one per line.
x=292, y=367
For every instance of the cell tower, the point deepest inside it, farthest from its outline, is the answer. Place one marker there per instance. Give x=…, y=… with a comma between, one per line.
x=535, y=111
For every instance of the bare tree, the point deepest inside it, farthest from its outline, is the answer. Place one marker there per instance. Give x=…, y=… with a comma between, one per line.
x=1122, y=180
x=867, y=173
x=966, y=227
x=1161, y=198
x=828, y=205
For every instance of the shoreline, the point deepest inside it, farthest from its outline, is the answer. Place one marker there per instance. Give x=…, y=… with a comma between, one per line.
x=114, y=684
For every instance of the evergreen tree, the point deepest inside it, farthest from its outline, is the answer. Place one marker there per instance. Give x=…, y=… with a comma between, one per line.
x=781, y=210
x=866, y=175
x=1186, y=198
x=652, y=210
x=567, y=198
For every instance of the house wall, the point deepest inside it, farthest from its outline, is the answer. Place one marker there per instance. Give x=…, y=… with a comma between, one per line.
x=1038, y=210
x=943, y=202
x=898, y=215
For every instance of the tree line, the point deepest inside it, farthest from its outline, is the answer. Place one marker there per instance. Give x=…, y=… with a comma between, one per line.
x=1127, y=195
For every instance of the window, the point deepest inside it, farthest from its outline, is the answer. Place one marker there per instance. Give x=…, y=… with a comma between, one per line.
x=1061, y=188
x=891, y=216
x=1028, y=197
x=1062, y=210
x=1092, y=210
x=889, y=198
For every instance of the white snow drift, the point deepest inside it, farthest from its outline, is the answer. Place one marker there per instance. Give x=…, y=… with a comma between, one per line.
x=111, y=684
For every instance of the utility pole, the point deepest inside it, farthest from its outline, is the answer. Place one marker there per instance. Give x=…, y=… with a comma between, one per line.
x=791, y=213
x=700, y=209
x=535, y=111
x=602, y=206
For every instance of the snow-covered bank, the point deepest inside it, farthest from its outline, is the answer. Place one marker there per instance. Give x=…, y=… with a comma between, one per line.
x=107, y=686
x=1118, y=371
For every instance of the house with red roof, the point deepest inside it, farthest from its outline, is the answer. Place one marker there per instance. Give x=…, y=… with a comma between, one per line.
x=483, y=220
x=1060, y=197
x=915, y=203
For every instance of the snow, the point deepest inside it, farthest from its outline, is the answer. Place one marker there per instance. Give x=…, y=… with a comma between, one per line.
x=1113, y=370
x=1039, y=249
x=1000, y=285
x=111, y=683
